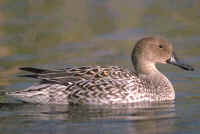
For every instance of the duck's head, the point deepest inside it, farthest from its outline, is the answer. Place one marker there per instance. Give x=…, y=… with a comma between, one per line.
x=151, y=50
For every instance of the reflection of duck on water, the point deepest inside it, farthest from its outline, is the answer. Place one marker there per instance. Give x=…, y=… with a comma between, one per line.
x=134, y=112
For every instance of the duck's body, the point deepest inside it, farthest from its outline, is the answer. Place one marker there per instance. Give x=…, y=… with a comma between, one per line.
x=105, y=85
x=93, y=85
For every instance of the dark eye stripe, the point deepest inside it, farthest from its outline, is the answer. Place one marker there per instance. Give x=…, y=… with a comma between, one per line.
x=160, y=46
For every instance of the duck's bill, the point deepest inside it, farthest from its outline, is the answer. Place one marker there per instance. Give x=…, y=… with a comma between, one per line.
x=175, y=61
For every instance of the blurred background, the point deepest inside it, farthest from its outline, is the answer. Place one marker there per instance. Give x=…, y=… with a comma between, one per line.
x=66, y=32
x=59, y=33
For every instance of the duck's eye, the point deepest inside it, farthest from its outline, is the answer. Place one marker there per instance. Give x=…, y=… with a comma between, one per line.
x=160, y=46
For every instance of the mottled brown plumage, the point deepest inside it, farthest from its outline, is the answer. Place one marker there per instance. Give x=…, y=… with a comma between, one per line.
x=107, y=85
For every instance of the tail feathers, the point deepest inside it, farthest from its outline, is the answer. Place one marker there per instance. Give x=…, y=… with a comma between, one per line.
x=29, y=75
x=34, y=70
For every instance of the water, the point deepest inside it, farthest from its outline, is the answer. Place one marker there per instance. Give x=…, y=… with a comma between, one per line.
x=26, y=118
x=54, y=34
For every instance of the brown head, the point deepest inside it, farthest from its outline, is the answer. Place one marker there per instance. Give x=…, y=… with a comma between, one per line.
x=151, y=50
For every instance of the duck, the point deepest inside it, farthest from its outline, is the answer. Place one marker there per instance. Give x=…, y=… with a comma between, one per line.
x=99, y=85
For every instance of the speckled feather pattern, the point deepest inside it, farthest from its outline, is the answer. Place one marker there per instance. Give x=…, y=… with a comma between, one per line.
x=107, y=85
x=93, y=85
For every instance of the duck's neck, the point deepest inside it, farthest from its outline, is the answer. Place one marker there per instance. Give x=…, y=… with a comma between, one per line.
x=160, y=84
x=146, y=68
x=149, y=72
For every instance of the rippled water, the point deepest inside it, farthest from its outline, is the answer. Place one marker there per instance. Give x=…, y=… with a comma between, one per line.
x=88, y=119
x=54, y=34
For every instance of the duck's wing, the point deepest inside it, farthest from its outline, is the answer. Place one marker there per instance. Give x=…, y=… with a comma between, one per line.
x=88, y=85
x=74, y=74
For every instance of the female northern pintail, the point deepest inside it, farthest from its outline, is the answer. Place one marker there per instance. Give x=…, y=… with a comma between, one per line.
x=107, y=85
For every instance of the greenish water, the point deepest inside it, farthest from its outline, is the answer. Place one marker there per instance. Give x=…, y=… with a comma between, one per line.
x=54, y=34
